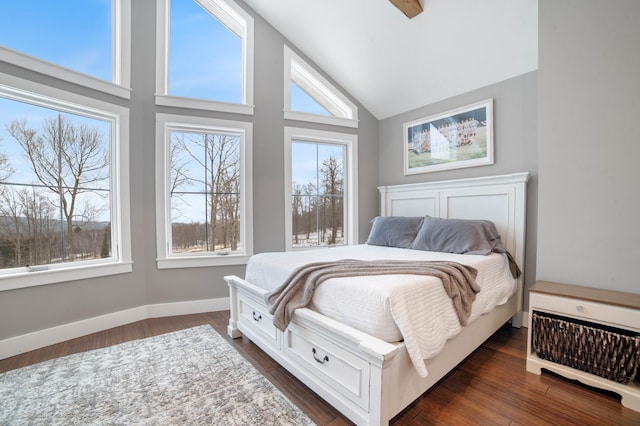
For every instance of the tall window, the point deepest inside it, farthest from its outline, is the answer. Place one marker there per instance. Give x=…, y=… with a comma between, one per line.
x=310, y=97
x=204, y=188
x=205, y=55
x=83, y=41
x=59, y=198
x=321, y=188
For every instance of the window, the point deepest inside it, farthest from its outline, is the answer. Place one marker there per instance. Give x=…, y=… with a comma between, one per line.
x=205, y=55
x=310, y=97
x=63, y=186
x=84, y=42
x=203, y=191
x=320, y=188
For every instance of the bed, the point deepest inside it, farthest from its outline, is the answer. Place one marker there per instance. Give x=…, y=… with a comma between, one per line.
x=369, y=372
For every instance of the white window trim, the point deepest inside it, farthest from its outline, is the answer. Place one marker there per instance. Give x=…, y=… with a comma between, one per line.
x=344, y=112
x=163, y=202
x=121, y=261
x=239, y=22
x=121, y=57
x=350, y=142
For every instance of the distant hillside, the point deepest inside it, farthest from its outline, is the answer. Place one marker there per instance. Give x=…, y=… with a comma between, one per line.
x=7, y=222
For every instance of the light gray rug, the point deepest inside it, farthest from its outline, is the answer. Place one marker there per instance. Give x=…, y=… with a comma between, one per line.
x=189, y=377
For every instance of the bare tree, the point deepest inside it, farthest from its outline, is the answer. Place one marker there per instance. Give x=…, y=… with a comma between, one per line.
x=229, y=207
x=177, y=166
x=68, y=160
x=310, y=205
x=5, y=167
x=27, y=221
x=332, y=181
x=178, y=177
x=296, y=210
x=105, y=249
x=11, y=223
x=37, y=214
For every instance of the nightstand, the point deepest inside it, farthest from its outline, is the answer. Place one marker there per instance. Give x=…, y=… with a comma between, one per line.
x=586, y=334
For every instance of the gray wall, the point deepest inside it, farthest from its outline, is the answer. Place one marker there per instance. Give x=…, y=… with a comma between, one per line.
x=36, y=308
x=515, y=145
x=589, y=105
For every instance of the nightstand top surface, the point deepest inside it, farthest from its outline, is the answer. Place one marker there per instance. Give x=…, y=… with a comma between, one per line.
x=610, y=297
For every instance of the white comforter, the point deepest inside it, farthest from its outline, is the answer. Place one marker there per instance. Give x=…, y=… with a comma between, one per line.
x=412, y=308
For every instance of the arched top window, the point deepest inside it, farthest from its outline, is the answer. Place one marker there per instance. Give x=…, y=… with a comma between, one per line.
x=204, y=55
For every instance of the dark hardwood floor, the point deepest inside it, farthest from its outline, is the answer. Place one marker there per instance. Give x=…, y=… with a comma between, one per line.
x=491, y=387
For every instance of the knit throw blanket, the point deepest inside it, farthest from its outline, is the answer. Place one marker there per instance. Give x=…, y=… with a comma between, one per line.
x=459, y=282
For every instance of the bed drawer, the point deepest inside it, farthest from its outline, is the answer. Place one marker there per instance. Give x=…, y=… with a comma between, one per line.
x=338, y=368
x=255, y=316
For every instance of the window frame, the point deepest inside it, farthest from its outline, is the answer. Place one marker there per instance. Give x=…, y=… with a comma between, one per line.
x=120, y=85
x=231, y=15
x=350, y=165
x=121, y=260
x=320, y=89
x=166, y=122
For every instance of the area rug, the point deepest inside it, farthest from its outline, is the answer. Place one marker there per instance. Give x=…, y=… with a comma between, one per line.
x=188, y=377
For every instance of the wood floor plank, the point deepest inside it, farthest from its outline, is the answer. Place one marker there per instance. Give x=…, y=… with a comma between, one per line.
x=491, y=387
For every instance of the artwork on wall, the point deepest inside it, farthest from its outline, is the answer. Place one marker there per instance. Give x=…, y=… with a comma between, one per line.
x=454, y=139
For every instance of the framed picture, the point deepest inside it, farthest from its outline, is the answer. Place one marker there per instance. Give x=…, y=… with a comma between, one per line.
x=459, y=138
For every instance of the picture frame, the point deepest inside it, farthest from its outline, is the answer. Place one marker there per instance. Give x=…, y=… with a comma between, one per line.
x=458, y=138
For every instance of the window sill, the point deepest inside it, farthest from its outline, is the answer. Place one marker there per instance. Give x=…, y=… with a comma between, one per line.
x=309, y=248
x=47, y=68
x=58, y=274
x=201, y=261
x=323, y=119
x=203, y=104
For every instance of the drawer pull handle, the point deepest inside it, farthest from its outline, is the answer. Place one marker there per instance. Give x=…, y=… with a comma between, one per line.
x=580, y=308
x=256, y=318
x=321, y=361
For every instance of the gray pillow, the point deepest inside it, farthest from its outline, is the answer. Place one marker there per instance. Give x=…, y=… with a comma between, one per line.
x=458, y=236
x=394, y=231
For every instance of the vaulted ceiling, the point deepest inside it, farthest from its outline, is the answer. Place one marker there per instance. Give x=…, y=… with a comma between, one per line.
x=392, y=64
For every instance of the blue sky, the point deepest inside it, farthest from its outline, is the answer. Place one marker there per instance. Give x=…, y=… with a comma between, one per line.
x=80, y=40
x=205, y=57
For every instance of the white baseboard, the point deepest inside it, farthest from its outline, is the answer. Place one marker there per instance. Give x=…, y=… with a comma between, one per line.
x=50, y=336
x=188, y=307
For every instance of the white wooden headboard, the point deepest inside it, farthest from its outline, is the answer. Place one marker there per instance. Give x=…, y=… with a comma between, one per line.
x=500, y=199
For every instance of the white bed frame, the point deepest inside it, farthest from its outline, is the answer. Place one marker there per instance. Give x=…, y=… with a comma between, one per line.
x=367, y=379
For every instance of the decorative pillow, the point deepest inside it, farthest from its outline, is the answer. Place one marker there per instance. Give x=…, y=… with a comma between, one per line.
x=394, y=231
x=458, y=236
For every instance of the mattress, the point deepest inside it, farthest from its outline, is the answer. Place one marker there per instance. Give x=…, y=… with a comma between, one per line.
x=393, y=308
